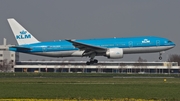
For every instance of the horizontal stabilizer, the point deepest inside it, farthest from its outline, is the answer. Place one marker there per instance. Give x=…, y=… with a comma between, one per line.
x=20, y=48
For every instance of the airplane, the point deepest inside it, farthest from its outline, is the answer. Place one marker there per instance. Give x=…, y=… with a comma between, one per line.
x=112, y=48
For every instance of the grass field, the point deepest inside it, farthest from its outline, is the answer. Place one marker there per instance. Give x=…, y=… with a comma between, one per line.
x=88, y=86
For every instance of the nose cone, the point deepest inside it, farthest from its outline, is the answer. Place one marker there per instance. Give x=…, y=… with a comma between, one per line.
x=173, y=44
x=170, y=44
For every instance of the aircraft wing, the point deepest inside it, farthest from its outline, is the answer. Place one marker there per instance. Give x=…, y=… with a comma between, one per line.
x=87, y=47
x=20, y=48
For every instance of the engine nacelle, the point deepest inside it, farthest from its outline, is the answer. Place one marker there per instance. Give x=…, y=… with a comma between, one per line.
x=114, y=53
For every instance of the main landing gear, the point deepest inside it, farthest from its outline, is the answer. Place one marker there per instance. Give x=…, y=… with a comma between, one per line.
x=160, y=56
x=92, y=60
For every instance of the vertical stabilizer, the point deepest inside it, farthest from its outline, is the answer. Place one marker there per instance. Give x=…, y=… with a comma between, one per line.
x=21, y=34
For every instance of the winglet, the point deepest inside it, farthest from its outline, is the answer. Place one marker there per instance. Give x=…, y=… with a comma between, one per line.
x=70, y=40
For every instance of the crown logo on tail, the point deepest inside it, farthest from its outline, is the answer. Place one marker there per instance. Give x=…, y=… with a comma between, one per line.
x=23, y=32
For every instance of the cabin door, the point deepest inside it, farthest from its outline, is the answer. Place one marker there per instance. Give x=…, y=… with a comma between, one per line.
x=130, y=44
x=44, y=49
x=157, y=42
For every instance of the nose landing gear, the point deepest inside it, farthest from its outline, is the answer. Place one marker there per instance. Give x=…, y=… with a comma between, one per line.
x=160, y=56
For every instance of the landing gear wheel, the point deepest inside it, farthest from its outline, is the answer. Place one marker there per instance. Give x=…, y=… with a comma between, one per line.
x=88, y=63
x=160, y=58
x=91, y=62
x=95, y=61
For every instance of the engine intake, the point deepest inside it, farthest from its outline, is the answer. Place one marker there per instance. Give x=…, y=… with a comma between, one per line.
x=114, y=53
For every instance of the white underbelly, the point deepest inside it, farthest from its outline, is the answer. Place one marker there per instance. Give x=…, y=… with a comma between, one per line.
x=78, y=53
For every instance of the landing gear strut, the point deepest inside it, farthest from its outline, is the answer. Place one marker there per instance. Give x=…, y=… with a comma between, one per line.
x=92, y=60
x=160, y=57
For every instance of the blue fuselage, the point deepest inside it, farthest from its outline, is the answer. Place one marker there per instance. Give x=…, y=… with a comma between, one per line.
x=63, y=48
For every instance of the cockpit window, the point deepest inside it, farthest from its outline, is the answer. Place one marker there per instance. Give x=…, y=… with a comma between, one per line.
x=169, y=41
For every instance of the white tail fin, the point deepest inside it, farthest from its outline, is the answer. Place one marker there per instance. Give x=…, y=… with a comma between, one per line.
x=21, y=34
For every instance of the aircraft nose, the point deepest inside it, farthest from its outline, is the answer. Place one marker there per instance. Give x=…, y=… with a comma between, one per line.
x=173, y=44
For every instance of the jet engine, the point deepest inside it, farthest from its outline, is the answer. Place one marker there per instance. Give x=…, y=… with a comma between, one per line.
x=114, y=53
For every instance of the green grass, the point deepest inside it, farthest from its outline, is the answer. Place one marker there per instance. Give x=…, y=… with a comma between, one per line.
x=31, y=74
x=87, y=86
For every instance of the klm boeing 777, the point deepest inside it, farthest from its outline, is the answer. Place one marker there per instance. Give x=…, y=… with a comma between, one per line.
x=112, y=48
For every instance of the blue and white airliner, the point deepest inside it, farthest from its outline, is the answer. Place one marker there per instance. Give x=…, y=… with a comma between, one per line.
x=112, y=48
